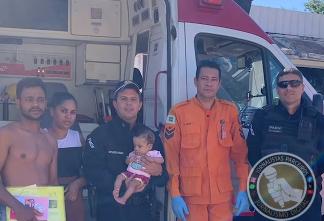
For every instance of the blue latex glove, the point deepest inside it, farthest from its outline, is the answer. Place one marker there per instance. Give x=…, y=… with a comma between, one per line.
x=178, y=206
x=242, y=201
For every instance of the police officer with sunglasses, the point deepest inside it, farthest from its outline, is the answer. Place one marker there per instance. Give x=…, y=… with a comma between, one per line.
x=289, y=118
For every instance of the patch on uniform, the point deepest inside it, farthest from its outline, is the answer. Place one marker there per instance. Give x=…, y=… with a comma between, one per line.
x=275, y=129
x=170, y=119
x=169, y=133
x=242, y=133
x=90, y=143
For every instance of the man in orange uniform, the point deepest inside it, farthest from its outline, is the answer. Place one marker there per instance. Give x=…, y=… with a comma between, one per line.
x=201, y=136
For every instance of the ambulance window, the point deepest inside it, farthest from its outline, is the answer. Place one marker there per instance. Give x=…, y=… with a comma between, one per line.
x=275, y=68
x=34, y=14
x=242, y=68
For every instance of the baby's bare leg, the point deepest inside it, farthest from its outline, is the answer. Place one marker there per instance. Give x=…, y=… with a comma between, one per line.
x=118, y=182
x=130, y=190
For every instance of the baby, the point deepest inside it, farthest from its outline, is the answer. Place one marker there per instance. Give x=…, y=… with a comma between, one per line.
x=143, y=143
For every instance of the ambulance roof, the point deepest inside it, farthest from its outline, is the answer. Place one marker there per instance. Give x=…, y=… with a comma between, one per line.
x=230, y=16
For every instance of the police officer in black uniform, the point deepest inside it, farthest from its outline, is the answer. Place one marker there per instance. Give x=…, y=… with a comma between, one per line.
x=293, y=127
x=104, y=158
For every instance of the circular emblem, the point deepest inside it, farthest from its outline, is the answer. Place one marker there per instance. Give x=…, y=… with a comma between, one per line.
x=281, y=186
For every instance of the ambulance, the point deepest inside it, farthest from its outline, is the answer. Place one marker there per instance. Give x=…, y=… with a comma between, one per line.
x=86, y=47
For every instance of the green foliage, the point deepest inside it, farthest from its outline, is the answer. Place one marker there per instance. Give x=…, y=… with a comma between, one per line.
x=315, y=6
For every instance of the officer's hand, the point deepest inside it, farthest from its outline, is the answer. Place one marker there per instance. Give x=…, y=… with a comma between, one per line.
x=242, y=201
x=178, y=206
x=152, y=168
x=139, y=188
x=72, y=191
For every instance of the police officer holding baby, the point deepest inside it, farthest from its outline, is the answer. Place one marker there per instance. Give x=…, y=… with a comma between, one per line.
x=290, y=126
x=106, y=151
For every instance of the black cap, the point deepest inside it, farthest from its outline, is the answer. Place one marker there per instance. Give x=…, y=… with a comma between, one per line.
x=128, y=84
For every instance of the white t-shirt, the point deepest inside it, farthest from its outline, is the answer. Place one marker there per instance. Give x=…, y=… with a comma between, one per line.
x=135, y=166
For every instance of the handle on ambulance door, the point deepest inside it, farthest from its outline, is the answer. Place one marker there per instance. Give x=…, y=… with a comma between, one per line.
x=99, y=112
x=156, y=97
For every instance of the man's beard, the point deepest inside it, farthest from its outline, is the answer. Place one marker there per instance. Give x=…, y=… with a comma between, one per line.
x=29, y=117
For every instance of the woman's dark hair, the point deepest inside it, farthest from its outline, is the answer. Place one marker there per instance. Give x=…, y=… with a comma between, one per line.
x=59, y=97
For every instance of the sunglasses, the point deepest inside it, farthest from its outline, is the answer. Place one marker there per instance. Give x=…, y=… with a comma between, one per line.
x=292, y=83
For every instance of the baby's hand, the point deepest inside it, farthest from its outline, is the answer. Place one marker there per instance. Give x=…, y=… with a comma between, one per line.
x=132, y=158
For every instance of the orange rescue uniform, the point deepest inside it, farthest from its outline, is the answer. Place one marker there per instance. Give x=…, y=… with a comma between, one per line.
x=199, y=145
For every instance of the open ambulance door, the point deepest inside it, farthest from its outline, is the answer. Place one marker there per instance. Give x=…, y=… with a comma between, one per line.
x=150, y=53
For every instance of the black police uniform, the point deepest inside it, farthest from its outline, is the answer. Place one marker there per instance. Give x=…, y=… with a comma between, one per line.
x=104, y=158
x=273, y=130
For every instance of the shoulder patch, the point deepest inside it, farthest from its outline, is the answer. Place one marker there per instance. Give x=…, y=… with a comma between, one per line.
x=171, y=119
x=90, y=143
x=169, y=133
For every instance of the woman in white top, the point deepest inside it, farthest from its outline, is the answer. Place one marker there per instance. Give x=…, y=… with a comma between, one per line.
x=69, y=162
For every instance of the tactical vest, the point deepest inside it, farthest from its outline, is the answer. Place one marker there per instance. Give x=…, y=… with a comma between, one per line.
x=298, y=136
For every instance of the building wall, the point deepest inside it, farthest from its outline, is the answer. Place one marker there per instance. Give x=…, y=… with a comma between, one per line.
x=288, y=22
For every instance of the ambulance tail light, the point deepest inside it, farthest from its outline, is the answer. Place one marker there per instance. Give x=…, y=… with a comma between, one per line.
x=212, y=4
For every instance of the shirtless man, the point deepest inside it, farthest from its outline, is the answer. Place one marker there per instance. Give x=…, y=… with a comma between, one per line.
x=28, y=154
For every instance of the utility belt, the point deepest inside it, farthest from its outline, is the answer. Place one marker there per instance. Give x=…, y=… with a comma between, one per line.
x=94, y=200
x=139, y=200
x=309, y=157
x=132, y=201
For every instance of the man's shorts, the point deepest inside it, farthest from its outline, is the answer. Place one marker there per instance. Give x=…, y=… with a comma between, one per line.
x=3, y=215
x=141, y=178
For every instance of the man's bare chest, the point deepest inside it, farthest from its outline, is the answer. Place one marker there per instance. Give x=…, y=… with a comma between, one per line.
x=31, y=148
